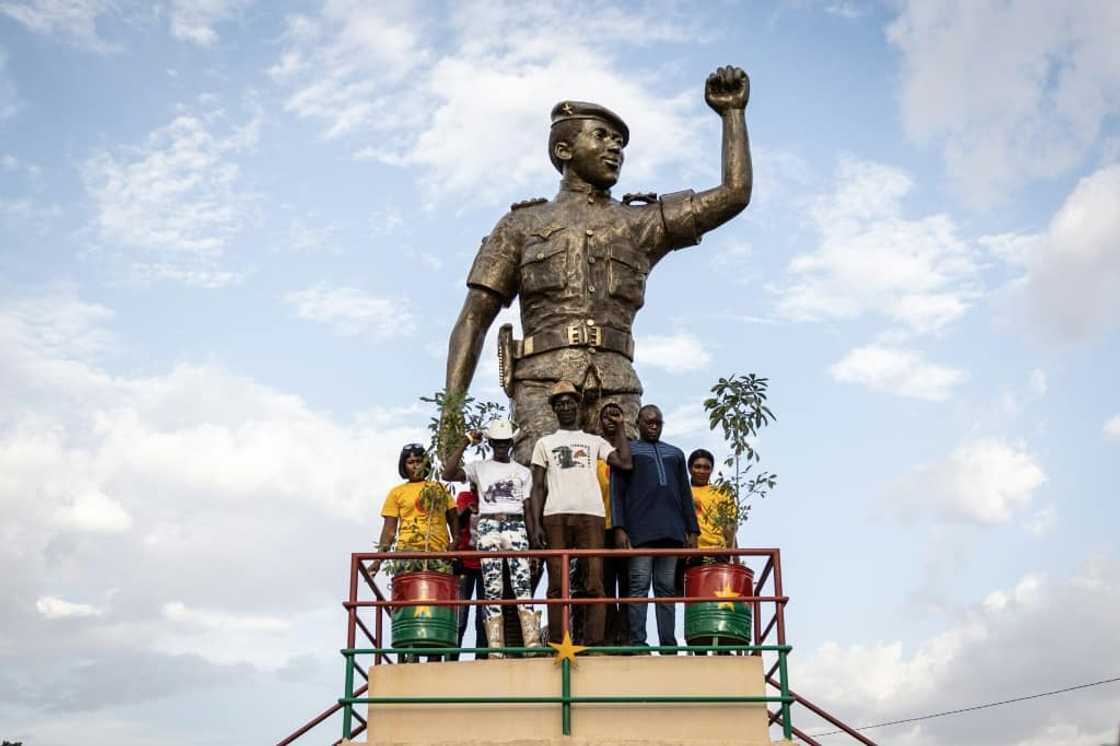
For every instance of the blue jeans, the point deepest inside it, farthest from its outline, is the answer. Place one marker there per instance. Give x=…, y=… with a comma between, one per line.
x=662, y=572
x=470, y=584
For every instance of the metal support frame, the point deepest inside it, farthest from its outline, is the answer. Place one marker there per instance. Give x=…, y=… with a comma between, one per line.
x=382, y=654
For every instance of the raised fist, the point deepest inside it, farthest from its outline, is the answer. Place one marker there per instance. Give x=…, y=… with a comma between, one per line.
x=726, y=89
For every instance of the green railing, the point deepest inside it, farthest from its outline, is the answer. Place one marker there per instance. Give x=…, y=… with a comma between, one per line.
x=566, y=699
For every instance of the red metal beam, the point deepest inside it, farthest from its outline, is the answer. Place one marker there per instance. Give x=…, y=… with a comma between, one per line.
x=822, y=714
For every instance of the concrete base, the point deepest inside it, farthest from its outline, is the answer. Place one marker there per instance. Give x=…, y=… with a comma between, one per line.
x=744, y=724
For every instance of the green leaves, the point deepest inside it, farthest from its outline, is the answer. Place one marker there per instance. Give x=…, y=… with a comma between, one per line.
x=455, y=415
x=738, y=408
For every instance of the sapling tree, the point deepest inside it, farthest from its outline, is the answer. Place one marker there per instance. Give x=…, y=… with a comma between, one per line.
x=738, y=408
x=456, y=415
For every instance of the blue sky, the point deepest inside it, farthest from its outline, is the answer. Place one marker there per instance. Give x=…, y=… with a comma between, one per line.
x=235, y=236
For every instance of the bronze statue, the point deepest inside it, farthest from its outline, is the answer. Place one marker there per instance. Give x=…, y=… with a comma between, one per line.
x=579, y=263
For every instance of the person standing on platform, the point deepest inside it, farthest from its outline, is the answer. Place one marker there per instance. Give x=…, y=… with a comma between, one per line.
x=651, y=507
x=419, y=514
x=567, y=497
x=614, y=568
x=470, y=570
x=715, y=510
x=503, y=486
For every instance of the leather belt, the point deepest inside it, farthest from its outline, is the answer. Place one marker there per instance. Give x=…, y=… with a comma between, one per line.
x=502, y=516
x=587, y=334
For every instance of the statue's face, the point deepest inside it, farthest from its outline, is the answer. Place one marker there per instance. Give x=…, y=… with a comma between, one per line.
x=596, y=154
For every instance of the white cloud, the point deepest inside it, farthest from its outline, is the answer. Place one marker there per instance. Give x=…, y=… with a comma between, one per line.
x=57, y=608
x=386, y=220
x=95, y=512
x=1014, y=91
x=1072, y=269
x=984, y=481
x=109, y=480
x=147, y=273
x=1112, y=427
x=897, y=371
x=873, y=260
x=178, y=196
x=350, y=312
x=679, y=353
x=373, y=74
x=304, y=238
x=75, y=20
x=989, y=652
x=180, y=613
x=10, y=101
x=194, y=20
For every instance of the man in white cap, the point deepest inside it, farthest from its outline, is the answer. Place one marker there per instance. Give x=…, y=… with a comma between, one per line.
x=566, y=495
x=504, y=525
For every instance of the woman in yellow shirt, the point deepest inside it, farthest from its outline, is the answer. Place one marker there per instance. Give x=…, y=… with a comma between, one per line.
x=713, y=507
x=419, y=513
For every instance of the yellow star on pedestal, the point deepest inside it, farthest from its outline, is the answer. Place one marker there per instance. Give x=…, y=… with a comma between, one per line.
x=566, y=649
x=726, y=592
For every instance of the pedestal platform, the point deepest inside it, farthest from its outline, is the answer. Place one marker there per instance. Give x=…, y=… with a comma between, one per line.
x=592, y=724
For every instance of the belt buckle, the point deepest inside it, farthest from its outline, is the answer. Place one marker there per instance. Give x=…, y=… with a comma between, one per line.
x=575, y=335
x=595, y=336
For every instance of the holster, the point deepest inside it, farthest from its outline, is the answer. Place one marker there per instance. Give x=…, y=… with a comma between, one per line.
x=507, y=353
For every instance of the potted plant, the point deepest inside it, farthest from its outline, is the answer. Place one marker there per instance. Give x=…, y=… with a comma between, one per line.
x=434, y=579
x=738, y=407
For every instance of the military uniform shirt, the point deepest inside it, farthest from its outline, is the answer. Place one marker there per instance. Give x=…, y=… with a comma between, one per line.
x=581, y=257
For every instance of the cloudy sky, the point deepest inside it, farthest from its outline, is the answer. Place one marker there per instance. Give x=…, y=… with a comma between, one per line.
x=235, y=236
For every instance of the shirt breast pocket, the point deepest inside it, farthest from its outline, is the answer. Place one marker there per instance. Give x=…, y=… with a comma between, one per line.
x=544, y=262
x=628, y=271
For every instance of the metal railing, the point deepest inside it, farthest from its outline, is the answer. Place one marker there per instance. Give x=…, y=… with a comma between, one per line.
x=775, y=676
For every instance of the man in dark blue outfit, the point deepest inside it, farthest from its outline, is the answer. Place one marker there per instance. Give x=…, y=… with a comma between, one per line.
x=652, y=506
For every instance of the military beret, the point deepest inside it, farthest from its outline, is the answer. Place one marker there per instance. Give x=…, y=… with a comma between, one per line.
x=568, y=110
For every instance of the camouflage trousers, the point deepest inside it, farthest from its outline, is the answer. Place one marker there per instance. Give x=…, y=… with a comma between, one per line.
x=503, y=535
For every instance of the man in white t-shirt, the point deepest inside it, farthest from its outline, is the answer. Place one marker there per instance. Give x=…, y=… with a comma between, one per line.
x=503, y=486
x=567, y=503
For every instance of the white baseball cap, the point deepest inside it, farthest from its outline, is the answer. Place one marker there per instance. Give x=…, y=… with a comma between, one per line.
x=499, y=430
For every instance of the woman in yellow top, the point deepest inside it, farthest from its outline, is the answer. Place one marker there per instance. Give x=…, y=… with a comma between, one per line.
x=419, y=513
x=713, y=507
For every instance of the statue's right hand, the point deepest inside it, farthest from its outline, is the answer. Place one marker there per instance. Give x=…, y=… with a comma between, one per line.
x=727, y=88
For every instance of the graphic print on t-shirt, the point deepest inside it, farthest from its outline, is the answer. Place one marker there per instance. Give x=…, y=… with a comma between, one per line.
x=500, y=490
x=572, y=457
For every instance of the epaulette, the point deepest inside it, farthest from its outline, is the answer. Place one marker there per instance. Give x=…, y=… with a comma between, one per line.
x=528, y=203
x=647, y=197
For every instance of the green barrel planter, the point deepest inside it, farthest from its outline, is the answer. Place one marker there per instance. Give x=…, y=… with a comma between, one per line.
x=425, y=626
x=715, y=622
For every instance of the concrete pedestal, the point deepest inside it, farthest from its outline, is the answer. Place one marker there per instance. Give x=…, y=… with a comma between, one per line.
x=744, y=724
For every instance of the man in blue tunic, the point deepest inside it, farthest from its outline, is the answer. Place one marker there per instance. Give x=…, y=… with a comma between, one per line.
x=651, y=507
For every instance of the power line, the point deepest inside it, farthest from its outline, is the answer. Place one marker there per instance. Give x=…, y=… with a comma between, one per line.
x=974, y=707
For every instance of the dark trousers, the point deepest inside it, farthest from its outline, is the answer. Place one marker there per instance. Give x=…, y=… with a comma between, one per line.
x=576, y=531
x=662, y=573
x=470, y=586
x=616, y=579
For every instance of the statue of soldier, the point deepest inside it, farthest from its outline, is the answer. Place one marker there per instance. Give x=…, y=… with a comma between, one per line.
x=579, y=264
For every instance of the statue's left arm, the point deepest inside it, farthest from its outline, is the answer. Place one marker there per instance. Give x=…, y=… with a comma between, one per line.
x=726, y=91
